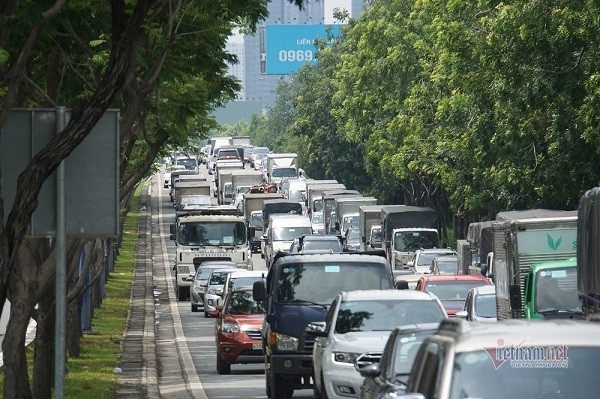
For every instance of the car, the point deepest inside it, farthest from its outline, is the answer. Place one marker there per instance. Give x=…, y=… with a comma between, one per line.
x=445, y=264
x=214, y=290
x=421, y=259
x=452, y=290
x=480, y=305
x=361, y=321
x=193, y=202
x=352, y=240
x=407, y=280
x=387, y=376
x=238, y=330
x=517, y=359
x=316, y=243
x=201, y=280
x=240, y=278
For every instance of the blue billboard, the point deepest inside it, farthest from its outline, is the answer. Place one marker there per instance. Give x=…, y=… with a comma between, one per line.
x=288, y=47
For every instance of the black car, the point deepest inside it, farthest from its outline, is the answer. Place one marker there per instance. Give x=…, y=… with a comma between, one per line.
x=388, y=376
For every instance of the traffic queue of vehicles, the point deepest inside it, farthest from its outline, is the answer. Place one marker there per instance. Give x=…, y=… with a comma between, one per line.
x=330, y=320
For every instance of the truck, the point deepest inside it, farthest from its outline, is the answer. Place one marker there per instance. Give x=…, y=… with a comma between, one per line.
x=240, y=140
x=522, y=239
x=369, y=216
x=314, y=194
x=328, y=199
x=479, y=244
x=283, y=205
x=253, y=215
x=243, y=179
x=588, y=251
x=295, y=190
x=212, y=233
x=281, y=231
x=281, y=166
x=346, y=206
x=218, y=142
x=404, y=229
x=189, y=187
x=299, y=290
x=225, y=187
x=225, y=165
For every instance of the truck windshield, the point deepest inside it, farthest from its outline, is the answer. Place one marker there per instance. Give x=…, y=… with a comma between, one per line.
x=212, y=233
x=256, y=220
x=284, y=172
x=413, y=240
x=297, y=195
x=289, y=233
x=228, y=190
x=531, y=372
x=321, y=282
x=556, y=290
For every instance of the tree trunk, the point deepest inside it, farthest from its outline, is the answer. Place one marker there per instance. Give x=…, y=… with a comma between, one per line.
x=16, y=379
x=43, y=359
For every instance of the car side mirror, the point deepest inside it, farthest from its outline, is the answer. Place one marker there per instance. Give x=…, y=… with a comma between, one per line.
x=462, y=314
x=370, y=370
x=401, y=285
x=259, y=291
x=219, y=311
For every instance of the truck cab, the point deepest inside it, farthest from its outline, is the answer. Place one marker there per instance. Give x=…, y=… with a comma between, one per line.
x=551, y=291
x=406, y=241
x=212, y=233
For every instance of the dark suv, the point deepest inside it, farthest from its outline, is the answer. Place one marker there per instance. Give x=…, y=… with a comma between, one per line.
x=299, y=290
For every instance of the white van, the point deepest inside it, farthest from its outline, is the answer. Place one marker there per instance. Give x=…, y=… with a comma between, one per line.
x=281, y=232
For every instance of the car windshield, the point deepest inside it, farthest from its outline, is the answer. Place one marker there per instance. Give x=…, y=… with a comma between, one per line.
x=413, y=240
x=452, y=290
x=485, y=305
x=204, y=272
x=448, y=266
x=312, y=245
x=212, y=233
x=556, y=289
x=321, y=282
x=243, y=281
x=407, y=346
x=241, y=302
x=524, y=372
x=218, y=278
x=385, y=314
x=289, y=233
x=425, y=258
x=284, y=172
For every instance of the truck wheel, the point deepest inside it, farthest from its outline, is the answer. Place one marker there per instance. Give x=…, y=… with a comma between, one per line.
x=181, y=293
x=268, y=387
x=279, y=390
x=222, y=366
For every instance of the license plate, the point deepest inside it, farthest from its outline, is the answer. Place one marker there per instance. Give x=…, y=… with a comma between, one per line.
x=257, y=346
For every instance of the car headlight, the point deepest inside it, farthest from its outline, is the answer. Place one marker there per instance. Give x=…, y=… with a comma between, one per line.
x=286, y=343
x=230, y=327
x=212, y=291
x=197, y=284
x=344, y=357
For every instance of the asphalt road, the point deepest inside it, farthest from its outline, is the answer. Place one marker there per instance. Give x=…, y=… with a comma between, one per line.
x=185, y=339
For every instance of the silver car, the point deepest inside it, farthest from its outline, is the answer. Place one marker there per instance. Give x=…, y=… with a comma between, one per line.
x=201, y=279
x=214, y=290
x=480, y=304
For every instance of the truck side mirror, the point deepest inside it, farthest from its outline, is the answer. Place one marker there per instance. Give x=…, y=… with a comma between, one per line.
x=337, y=226
x=172, y=229
x=364, y=239
x=259, y=291
x=172, y=237
x=251, y=231
x=516, y=302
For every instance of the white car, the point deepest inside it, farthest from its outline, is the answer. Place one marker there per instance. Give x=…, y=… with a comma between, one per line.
x=214, y=290
x=360, y=322
x=480, y=305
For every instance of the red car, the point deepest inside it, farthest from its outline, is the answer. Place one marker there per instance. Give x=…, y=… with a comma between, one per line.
x=238, y=330
x=452, y=290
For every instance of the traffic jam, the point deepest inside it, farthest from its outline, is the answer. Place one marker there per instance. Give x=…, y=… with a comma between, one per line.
x=341, y=296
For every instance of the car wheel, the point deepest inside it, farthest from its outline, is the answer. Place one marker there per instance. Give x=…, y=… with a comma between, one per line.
x=323, y=389
x=206, y=313
x=278, y=387
x=194, y=308
x=222, y=366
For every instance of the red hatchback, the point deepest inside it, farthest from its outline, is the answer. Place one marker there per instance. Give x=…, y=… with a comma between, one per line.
x=452, y=290
x=238, y=330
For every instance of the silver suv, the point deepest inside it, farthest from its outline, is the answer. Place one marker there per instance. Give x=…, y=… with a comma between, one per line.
x=421, y=260
x=517, y=359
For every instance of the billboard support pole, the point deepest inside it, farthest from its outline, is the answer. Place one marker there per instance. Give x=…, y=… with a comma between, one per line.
x=60, y=282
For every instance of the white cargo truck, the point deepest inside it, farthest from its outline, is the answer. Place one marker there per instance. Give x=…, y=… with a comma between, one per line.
x=281, y=166
x=212, y=233
x=369, y=216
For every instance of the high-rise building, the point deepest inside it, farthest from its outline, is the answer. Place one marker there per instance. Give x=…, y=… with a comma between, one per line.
x=238, y=70
x=258, y=85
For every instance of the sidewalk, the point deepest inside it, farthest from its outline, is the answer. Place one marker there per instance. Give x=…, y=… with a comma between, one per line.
x=138, y=363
